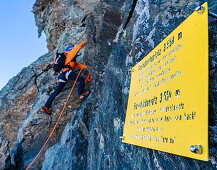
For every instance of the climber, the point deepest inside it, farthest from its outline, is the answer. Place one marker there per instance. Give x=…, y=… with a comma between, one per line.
x=68, y=74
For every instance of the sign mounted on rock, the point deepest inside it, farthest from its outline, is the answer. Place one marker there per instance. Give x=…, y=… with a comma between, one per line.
x=168, y=100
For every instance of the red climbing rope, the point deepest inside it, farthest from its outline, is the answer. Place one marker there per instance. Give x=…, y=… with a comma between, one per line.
x=56, y=122
x=89, y=78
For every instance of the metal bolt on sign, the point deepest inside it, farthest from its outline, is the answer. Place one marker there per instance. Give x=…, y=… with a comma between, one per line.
x=197, y=149
x=122, y=137
x=200, y=9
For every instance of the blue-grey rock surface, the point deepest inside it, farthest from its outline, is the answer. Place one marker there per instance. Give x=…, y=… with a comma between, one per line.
x=88, y=135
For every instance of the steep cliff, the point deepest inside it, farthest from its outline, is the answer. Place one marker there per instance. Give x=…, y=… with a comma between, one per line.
x=87, y=136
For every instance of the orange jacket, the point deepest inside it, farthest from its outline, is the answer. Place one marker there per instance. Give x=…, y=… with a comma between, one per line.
x=70, y=55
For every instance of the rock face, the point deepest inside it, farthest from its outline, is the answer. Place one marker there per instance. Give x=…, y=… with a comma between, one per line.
x=87, y=136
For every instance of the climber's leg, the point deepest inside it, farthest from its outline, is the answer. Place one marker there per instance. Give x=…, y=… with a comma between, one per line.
x=49, y=101
x=59, y=88
x=61, y=84
x=81, y=82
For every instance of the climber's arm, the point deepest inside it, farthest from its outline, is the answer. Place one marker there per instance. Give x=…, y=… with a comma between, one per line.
x=82, y=66
x=71, y=54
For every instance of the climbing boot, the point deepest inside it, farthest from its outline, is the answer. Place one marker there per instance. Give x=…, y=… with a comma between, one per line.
x=84, y=95
x=45, y=110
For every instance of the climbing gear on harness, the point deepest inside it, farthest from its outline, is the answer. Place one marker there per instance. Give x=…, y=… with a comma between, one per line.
x=84, y=95
x=56, y=122
x=45, y=110
x=89, y=78
x=59, y=63
x=69, y=48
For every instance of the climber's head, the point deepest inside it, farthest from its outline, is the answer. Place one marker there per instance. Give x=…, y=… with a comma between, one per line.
x=68, y=48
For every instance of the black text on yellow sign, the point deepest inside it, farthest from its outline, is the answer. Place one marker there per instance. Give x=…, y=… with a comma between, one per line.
x=168, y=100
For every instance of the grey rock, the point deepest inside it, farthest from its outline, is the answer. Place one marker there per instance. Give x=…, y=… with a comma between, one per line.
x=88, y=134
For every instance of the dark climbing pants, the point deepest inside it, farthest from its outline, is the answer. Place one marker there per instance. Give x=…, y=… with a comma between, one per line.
x=62, y=79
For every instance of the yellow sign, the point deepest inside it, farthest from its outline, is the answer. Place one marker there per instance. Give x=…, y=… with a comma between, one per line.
x=168, y=100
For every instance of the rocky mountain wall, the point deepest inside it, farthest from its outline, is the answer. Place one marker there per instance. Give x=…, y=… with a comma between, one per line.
x=88, y=135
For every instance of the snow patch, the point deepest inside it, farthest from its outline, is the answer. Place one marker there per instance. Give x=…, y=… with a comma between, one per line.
x=142, y=10
x=101, y=142
x=120, y=29
x=125, y=90
x=129, y=59
x=157, y=164
x=149, y=38
x=117, y=124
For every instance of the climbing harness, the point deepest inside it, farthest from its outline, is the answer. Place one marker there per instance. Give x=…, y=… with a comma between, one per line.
x=56, y=122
